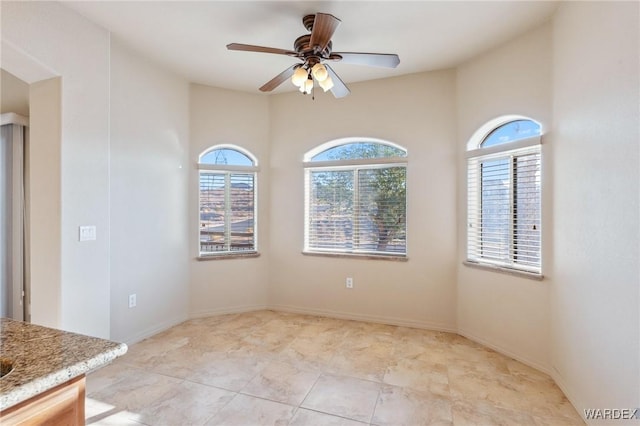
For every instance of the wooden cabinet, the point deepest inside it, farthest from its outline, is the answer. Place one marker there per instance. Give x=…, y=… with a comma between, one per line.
x=60, y=406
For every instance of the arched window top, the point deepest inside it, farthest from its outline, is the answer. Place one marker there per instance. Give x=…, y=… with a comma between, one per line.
x=510, y=132
x=354, y=149
x=503, y=130
x=227, y=155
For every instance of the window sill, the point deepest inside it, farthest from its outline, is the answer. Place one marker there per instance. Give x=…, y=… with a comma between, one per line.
x=227, y=256
x=393, y=258
x=504, y=270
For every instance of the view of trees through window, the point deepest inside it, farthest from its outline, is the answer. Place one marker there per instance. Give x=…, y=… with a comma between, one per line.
x=357, y=208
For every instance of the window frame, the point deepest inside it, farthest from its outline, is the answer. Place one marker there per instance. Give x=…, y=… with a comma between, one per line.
x=354, y=166
x=227, y=170
x=475, y=156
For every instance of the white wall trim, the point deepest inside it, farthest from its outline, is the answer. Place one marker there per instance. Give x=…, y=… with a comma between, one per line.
x=13, y=118
x=224, y=311
x=402, y=322
x=577, y=404
x=158, y=328
x=498, y=348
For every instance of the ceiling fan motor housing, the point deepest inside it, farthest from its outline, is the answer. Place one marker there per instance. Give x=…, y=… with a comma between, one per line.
x=308, y=21
x=302, y=45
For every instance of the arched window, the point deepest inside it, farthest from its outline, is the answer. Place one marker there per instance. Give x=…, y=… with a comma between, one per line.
x=504, y=195
x=227, y=188
x=355, y=198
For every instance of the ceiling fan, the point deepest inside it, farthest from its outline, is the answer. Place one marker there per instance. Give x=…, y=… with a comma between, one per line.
x=315, y=50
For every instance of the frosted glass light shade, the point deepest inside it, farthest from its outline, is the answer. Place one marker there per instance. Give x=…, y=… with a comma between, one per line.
x=308, y=85
x=299, y=76
x=326, y=84
x=319, y=72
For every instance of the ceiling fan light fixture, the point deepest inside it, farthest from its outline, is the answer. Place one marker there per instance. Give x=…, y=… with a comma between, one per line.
x=308, y=85
x=319, y=72
x=326, y=84
x=299, y=77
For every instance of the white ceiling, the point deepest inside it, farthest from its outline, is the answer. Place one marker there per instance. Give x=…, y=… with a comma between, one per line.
x=190, y=37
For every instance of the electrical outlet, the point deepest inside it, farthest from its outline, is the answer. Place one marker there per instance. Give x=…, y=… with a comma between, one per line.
x=349, y=282
x=132, y=301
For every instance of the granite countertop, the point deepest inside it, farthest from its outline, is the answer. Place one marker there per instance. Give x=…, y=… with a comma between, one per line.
x=45, y=357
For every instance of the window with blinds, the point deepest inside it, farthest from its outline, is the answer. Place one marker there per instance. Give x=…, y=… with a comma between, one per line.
x=227, y=200
x=504, y=200
x=356, y=199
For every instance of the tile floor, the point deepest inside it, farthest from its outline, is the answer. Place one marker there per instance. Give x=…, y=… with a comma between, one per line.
x=272, y=368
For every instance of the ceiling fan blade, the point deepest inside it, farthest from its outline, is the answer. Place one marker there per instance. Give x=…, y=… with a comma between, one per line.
x=279, y=79
x=324, y=26
x=261, y=49
x=371, y=59
x=339, y=89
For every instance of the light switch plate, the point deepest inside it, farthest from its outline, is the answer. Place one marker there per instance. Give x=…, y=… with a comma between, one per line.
x=87, y=233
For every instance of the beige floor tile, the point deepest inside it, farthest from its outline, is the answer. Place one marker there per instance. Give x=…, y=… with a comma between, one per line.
x=103, y=414
x=511, y=392
x=309, y=352
x=419, y=375
x=343, y=396
x=327, y=371
x=158, y=400
x=306, y=417
x=246, y=410
x=281, y=382
x=115, y=418
x=359, y=365
x=406, y=407
x=272, y=337
x=229, y=371
x=325, y=327
x=558, y=420
x=186, y=404
x=466, y=413
x=363, y=354
x=108, y=376
x=135, y=392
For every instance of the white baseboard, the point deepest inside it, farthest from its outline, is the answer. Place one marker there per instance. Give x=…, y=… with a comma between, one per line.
x=527, y=361
x=158, y=328
x=367, y=318
x=224, y=311
x=577, y=404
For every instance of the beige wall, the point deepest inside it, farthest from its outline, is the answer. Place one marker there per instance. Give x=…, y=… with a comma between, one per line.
x=14, y=94
x=219, y=116
x=43, y=202
x=416, y=112
x=505, y=312
x=37, y=37
x=148, y=196
x=595, y=274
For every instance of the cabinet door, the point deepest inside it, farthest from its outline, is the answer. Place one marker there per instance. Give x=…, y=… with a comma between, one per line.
x=62, y=405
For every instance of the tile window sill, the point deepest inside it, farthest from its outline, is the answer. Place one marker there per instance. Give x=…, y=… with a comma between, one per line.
x=503, y=270
x=227, y=256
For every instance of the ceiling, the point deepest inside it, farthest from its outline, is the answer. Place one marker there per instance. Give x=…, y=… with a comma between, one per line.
x=190, y=38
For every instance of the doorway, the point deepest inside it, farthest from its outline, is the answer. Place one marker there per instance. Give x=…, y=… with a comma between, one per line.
x=13, y=289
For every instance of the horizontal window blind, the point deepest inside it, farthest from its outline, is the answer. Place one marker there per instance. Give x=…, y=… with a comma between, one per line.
x=504, y=209
x=227, y=209
x=357, y=210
